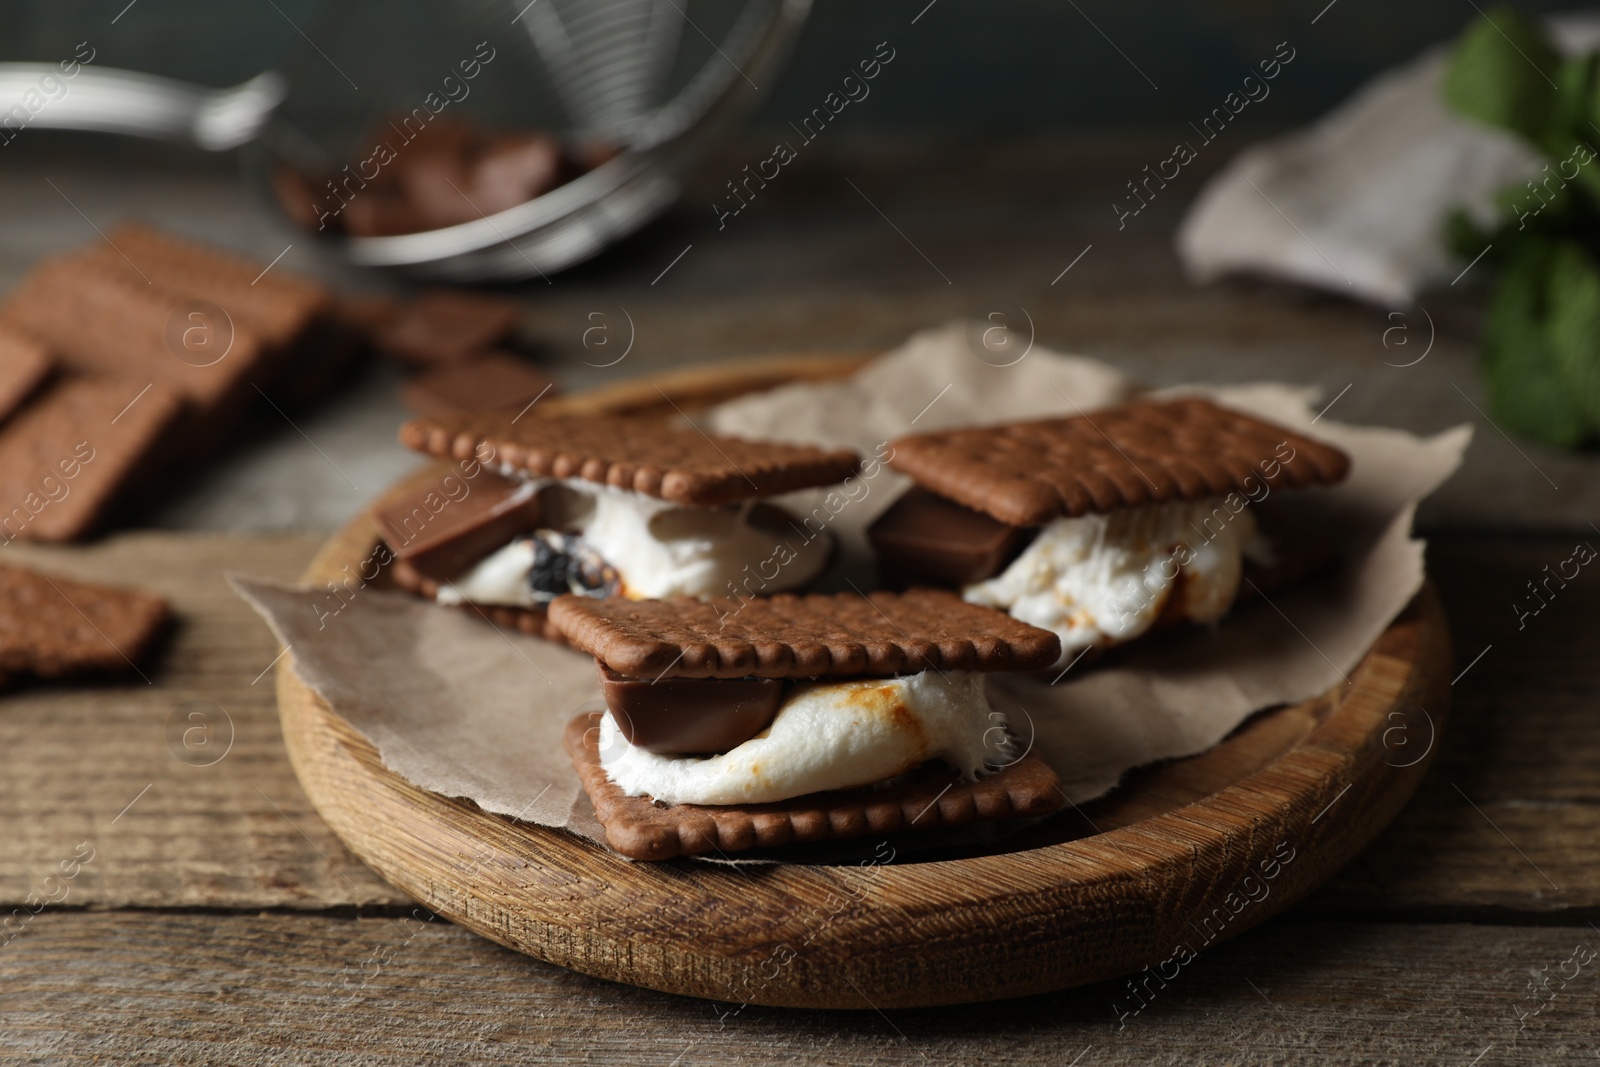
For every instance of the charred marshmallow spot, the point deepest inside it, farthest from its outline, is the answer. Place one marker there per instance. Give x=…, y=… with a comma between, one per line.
x=563, y=563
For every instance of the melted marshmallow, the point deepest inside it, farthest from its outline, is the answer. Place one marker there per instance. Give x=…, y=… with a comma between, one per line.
x=1105, y=579
x=657, y=548
x=834, y=735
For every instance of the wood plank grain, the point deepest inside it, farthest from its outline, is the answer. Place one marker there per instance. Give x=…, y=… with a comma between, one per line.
x=216, y=816
x=1510, y=814
x=276, y=988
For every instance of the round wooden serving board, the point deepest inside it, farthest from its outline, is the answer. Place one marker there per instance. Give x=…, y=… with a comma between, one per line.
x=1178, y=857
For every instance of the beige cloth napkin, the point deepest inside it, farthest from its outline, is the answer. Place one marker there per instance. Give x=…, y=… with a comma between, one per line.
x=1355, y=203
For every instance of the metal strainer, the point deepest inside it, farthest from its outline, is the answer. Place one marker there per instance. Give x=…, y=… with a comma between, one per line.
x=657, y=79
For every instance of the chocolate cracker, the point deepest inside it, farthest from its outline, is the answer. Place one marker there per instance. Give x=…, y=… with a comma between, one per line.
x=1151, y=452
x=446, y=326
x=491, y=382
x=277, y=304
x=817, y=635
x=54, y=627
x=295, y=318
x=930, y=797
x=74, y=449
x=680, y=464
x=24, y=365
x=99, y=320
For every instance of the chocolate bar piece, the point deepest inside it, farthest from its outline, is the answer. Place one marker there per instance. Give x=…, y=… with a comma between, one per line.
x=377, y=212
x=54, y=627
x=492, y=382
x=514, y=168
x=446, y=525
x=446, y=173
x=1032, y=473
x=689, y=716
x=928, y=798
x=925, y=538
x=446, y=326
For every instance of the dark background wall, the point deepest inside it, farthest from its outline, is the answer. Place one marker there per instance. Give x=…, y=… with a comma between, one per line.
x=997, y=65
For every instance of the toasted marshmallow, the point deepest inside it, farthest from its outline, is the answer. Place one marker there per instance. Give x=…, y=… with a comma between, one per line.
x=656, y=548
x=828, y=735
x=1105, y=579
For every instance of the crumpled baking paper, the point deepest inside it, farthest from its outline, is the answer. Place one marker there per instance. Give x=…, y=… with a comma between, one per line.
x=461, y=708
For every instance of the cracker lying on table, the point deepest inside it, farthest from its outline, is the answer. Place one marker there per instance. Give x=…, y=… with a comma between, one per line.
x=54, y=627
x=281, y=307
x=309, y=344
x=24, y=365
x=96, y=319
x=75, y=450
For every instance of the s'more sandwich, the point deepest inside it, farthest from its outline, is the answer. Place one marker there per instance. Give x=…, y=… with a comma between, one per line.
x=736, y=724
x=531, y=509
x=1104, y=526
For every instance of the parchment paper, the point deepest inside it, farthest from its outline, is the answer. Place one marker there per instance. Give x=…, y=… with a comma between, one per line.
x=463, y=709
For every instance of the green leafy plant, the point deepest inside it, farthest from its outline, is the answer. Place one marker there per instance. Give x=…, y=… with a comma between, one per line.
x=1541, y=340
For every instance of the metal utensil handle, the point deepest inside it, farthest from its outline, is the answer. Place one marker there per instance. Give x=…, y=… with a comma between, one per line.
x=127, y=102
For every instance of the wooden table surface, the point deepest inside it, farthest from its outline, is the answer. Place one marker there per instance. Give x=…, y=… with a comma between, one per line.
x=219, y=921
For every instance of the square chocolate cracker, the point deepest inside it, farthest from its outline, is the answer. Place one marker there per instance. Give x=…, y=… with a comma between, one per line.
x=95, y=319
x=24, y=365
x=679, y=464
x=819, y=635
x=75, y=450
x=1150, y=452
x=929, y=798
x=279, y=306
x=307, y=343
x=53, y=627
